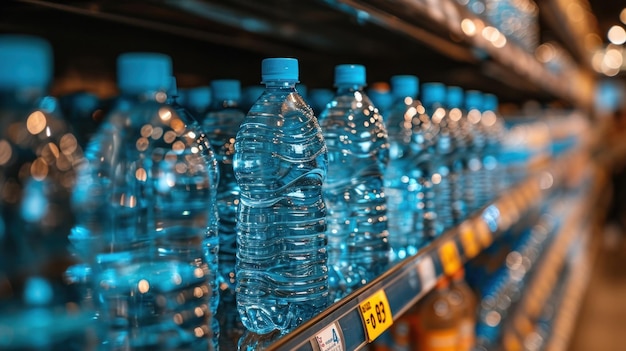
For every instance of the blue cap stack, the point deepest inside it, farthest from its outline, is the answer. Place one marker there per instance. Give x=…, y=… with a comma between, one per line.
x=433, y=93
x=473, y=100
x=226, y=90
x=139, y=72
x=280, y=68
x=25, y=61
x=404, y=85
x=490, y=102
x=454, y=97
x=350, y=74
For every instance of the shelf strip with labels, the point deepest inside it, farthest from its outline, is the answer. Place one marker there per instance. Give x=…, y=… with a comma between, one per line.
x=362, y=316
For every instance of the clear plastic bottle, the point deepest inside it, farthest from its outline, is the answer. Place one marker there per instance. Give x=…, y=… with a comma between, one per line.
x=454, y=104
x=476, y=142
x=280, y=164
x=144, y=212
x=221, y=125
x=433, y=98
x=38, y=155
x=438, y=320
x=197, y=101
x=464, y=299
x=358, y=153
x=401, y=187
x=494, y=130
x=211, y=240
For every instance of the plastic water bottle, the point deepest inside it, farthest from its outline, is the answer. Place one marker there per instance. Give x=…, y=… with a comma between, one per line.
x=221, y=124
x=38, y=154
x=454, y=105
x=402, y=189
x=475, y=144
x=211, y=240
x=280, y=164
x=433, y=98
x=358, y=153
x=494, y=130
x=144, y=212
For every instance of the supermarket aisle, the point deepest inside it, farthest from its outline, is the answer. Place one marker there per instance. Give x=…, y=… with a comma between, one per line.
x=601, y=324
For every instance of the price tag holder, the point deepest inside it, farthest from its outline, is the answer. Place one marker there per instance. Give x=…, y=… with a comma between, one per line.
x=426, y=272
x=468, y=240
x=329, y=339
x=483, y=233
x=376, y=315
x=449, y=256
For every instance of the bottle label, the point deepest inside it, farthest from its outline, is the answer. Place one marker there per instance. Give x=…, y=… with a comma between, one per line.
x=468, y=240
x=440, y=340
x=427, y=274
x=329, y=339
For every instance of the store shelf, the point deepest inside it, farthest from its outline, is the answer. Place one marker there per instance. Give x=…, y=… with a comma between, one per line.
x=401, y=37
x=404, y=284
x=524, y=329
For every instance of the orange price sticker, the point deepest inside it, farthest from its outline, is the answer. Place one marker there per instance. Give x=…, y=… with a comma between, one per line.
x=376, y=314
x=483, y=233
x=468, y=240
x=449, y=256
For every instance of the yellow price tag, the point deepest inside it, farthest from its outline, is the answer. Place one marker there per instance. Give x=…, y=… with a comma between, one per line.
x=468, y=240
x=376, y=314
x=450, y=259
x=483, y=233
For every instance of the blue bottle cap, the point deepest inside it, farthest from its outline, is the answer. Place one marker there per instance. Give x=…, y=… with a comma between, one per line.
x=490, y=102
x=350, y=74
x=279, y=68
x=454, y=97
x=25, y=61
x=404, y=85
x=473, y=100
x=433, y=93
x=143, y=71
x=226, y=89
x=198, y=97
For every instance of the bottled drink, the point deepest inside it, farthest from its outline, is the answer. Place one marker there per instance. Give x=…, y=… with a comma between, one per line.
x=438, y=320
x=454, y=103
x=475, y=144
x=144, y=212
x=280, y=164
x=402, y=189
x=221, y=124
x=494, y=129
x=358, y=149
x=38, y=154
x=433, y=98
x=463, y=298
x=211, y=240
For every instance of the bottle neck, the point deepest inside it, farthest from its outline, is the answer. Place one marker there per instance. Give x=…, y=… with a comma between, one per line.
x=346, y=88
x=280, y=84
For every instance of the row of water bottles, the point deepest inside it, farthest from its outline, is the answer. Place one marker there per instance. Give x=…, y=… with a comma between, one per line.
x=116, y=240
